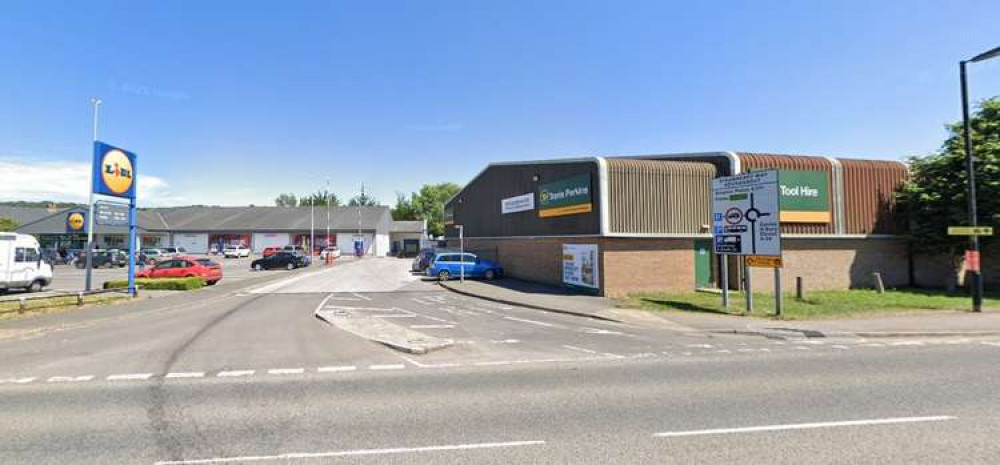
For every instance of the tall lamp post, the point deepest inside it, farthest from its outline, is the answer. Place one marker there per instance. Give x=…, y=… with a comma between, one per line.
x=972, y=258
x=89, y=263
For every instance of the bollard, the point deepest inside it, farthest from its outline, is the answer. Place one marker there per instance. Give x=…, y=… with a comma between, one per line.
x=799, y=291
x=23, y=306
x=79, y=299
x=879, y=285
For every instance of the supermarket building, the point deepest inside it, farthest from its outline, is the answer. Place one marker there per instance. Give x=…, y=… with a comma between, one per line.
x=642, y=223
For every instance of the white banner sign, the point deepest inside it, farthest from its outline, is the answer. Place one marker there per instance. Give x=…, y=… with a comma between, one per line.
x=516, y=204
x=580, y=266
x=745, y=214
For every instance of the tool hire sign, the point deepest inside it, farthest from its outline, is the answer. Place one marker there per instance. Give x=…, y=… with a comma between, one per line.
x=745, y=214
x=114, y=171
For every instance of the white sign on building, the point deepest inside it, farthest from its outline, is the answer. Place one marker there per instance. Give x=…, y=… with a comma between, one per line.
x=745, y=214
x=518, y=203
x=580, y=266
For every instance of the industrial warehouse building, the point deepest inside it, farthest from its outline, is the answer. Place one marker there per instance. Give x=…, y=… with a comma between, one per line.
x=199, y=229
x=631, y=224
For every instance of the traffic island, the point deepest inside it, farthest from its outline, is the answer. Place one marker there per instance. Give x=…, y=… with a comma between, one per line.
x=379, y=331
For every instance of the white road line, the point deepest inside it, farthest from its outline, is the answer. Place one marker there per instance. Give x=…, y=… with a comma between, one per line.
x=286, y=371
x=907, y=343
x=601, y=331
x=698, y=346
x=336, y=369
x=69, y=379
x=405, y=315
x=841, y=347
x=990, y=343
x=235, y=373
x=363, y=297
x=432, y=326
x=505, y=341
x=795, y=426
x=434, y=318
x=130, y=377
x=398, y=366
x=579, y=349
x=18, y=380
x=499, y=362
x=532, y=322
x=185, y=374
x=352, y=453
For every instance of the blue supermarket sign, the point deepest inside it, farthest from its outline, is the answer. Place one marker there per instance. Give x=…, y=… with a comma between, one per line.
x=114, y=171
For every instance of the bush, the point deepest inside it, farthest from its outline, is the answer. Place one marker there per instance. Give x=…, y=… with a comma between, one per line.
x=160, y=284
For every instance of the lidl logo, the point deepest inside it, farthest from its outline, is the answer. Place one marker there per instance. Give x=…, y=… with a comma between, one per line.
x=116, y=171
x=75, y=222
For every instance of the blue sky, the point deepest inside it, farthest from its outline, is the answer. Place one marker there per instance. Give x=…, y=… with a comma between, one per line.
x=234, y=102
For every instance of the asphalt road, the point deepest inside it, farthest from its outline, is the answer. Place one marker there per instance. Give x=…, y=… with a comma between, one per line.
x=247, y=374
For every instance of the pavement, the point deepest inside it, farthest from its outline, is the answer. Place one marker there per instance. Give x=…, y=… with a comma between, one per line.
x=562, y=300
x=244, y=372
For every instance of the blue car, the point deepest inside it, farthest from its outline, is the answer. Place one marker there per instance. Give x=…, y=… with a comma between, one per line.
x=448, y=265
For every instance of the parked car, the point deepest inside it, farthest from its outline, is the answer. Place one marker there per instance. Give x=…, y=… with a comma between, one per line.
x=21, y=264
x=103, y=259
x=185, y=267
x=449, y=265
x=173, y=251
x=294, y=249
x=152, y=256
x=268, y=251
x=286, y=260
x=332, y=252
x=236, y=251
x=214, y=249
x=424, y=259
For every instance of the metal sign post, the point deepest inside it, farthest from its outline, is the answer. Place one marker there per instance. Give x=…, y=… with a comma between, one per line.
x=746, y=223
x=114, y=175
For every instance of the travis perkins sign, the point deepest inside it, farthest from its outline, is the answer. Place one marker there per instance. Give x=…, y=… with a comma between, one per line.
x=568, y=196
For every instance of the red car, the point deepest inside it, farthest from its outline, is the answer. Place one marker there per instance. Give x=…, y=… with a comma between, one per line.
x=267, y=252
x=185, y=267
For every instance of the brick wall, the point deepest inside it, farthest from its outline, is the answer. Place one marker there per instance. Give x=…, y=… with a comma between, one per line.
x=647, y=265
x=838, y=264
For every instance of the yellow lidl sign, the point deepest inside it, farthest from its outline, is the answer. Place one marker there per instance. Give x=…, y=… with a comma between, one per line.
x=114, y=171
x=970, y=231
x=75, y=222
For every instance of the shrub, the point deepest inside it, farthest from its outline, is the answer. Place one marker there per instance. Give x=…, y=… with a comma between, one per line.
x=160, y=284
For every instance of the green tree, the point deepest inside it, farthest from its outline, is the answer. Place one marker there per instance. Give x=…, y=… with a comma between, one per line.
x=363, y=200
x=8, y=225
x=935, y=196
x=320, y=198
x=286, y=200
x=428, y=204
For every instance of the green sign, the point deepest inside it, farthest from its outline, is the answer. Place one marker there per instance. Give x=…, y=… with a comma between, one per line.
x=804, y=196
x=970, y=231
x=567, y=196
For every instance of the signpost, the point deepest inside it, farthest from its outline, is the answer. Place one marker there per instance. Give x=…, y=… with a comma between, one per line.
x=746, y=220
x=113, y=175
x=970, y=230
x=111, y=213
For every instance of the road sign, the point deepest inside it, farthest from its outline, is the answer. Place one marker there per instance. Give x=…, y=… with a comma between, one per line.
x=745, y=214
x=970, y=231
x=111, y=214
x=764, y=261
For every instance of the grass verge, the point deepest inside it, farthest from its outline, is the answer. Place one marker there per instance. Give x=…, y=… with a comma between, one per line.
x=816, y=305
x=159, y=284
x=11, y=309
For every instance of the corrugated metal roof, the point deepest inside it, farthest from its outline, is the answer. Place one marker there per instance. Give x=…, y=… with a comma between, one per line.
x=757, y=161
x=24, y=215
x=870, y=188
x=55, y=223
x=659, y=196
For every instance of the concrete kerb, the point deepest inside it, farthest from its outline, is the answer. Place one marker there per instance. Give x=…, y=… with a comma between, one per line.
x=791, y=333
x=451, y=288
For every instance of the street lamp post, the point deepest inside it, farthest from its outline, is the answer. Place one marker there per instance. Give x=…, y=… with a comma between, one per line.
x=972, y=257
x=90, y=216
x=329, y=200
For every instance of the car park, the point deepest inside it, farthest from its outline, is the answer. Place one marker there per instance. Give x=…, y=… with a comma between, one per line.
x=173, y=251
x=294, y=249
x=285, y=260
x=21, y=264
x=236, y=251
x=447, y=265
x=185, y=267
x=152, y=256
x=423, y=259
x=103, y=259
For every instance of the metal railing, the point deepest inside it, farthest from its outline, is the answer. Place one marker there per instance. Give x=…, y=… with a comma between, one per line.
x=23, y=300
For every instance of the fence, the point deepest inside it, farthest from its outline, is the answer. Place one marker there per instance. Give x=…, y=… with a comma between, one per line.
x=22, y=300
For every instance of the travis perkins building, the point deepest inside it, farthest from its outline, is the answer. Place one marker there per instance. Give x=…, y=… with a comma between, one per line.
x=198, y=229
x=631, y=224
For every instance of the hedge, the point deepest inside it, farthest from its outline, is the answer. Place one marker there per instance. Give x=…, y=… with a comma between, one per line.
x=159, y=284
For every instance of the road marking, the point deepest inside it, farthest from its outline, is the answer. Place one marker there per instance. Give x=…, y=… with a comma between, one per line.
x=336, y=369
x=432, y=326
x=352, y=453
x=363, y=297
x=579, y=349
x=130, y=377
x=69, y=379
x=990, y=343
x=532, y=322
x=186, y=374
x=724, y=351
x=398, y=366
x=699, y=346
x=486, y=364
x=505, y=341
x=235, y=373
x=434, y=318
x=795, y=426
x=405, y=315
x=907, y=343
x=18, y=380
x=601, y=331
x=286, y=371
x=841, y=347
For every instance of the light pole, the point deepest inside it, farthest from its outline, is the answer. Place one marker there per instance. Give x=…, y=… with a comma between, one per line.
x=90, y=216
x=972, y=256
x=329, y=200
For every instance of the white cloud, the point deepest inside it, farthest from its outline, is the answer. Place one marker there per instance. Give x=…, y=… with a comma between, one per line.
x=69, y=182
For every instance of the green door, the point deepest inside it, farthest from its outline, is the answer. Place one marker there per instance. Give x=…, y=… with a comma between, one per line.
x=702, y=263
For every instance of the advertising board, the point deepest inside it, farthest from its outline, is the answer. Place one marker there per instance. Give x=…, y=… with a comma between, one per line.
x=519, y=203
x=580, y=266
x=569, y=196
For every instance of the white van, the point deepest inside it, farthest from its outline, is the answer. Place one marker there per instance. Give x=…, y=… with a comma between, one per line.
x=21, y=265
